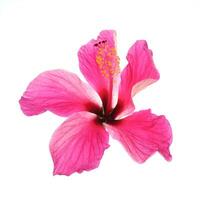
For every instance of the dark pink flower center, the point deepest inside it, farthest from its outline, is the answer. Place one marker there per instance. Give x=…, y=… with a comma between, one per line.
x=103, y=116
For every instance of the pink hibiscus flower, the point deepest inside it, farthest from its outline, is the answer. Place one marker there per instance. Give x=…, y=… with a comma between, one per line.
x=106, y=107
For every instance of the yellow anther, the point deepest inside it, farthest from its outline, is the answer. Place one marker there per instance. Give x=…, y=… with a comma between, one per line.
x=107, y=60
x=109, y=63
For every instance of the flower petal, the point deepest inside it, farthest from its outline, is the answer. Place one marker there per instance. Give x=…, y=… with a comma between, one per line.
x=78, y=144
x=138, y=74
x=99, y=64
x=60, y=92
x=142, y=134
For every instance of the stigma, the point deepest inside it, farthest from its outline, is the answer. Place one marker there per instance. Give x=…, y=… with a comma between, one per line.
x=107, y=59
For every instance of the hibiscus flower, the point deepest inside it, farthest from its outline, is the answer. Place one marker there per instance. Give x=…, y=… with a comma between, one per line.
x=102, y=107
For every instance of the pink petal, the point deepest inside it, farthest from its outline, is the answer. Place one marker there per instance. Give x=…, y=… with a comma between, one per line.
x=139, y=73
x=142, y=134
x=78, y=144
x=60, y=92
x=99, y=64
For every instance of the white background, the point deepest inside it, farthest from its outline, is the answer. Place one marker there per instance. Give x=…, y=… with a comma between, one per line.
x=38, y=35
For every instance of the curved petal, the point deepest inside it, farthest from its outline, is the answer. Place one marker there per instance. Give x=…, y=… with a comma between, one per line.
x=142, y=134
x=60, y=92
x=78, y=144
x=138, y=74
x=99, y=64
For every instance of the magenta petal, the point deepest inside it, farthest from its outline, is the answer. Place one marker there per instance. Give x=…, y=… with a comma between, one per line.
x=99, y=64
x=142, y=134
x=138, y=74
x=60, y=92
x=78, y=144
